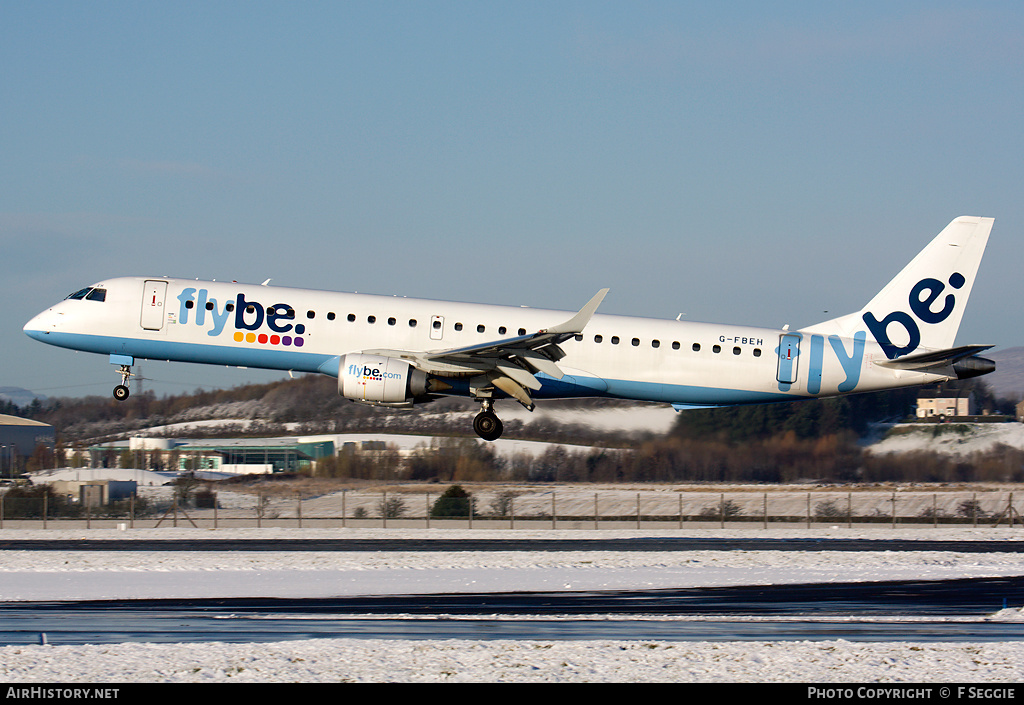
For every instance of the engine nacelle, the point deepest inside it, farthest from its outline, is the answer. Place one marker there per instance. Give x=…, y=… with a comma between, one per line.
x=378, y=379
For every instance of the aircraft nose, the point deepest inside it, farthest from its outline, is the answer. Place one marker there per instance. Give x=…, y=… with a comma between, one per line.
x=41, y=325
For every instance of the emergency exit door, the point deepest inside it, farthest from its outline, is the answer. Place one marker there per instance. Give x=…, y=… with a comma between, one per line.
x=789, y=356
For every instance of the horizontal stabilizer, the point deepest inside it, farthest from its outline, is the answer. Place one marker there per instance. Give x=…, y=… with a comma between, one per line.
x=961, y=362
x=923, y=361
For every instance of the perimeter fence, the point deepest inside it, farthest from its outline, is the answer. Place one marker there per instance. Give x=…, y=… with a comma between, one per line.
x=511, y=508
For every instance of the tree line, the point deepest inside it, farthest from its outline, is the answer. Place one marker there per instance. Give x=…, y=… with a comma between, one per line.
x=806, y=440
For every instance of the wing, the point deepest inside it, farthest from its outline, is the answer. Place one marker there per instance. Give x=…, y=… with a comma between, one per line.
x=509, y=364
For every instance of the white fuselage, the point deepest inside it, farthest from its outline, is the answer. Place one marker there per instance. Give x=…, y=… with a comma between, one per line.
x=682, y=363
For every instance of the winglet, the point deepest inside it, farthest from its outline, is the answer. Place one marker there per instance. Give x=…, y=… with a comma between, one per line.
x=577, y=323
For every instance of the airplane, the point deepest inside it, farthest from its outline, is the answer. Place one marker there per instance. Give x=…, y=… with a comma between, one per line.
x=397, y=352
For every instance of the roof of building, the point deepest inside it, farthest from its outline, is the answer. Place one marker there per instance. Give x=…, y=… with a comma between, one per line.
x=7, y=420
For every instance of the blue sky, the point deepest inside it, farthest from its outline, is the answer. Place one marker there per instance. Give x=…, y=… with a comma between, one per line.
x=745, y=162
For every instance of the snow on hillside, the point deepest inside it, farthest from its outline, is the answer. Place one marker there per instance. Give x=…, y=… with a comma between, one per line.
x=955, y=438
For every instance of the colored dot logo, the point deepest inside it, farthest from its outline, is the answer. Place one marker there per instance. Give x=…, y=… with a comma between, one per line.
x=264, y=339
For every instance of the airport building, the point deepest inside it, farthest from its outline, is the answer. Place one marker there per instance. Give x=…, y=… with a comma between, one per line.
x=229, y=456
x=19, y=439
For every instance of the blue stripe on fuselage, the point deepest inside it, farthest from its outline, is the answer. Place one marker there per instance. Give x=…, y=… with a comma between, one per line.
x=276, y=359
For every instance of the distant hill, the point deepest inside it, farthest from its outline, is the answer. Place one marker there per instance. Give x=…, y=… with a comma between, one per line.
x=19, y=396
x=1008, y=379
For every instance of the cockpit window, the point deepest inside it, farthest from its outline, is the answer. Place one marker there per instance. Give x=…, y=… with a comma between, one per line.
x=90, y=294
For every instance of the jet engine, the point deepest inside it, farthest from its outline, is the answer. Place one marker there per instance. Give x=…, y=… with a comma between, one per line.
x=378, y=379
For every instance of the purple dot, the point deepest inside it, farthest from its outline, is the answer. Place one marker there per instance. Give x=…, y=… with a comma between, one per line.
x=298, y=342
x=286, y=340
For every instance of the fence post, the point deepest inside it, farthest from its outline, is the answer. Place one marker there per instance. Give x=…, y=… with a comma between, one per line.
x=808, y=510
x=764, y=508
x=427, y=498
x=595, y=510
x=512, y=512
x=894, y=509
x=638, y=510
x=554, y=513
x=849, y=510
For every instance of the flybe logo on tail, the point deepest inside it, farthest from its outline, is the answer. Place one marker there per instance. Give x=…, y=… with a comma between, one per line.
x=248, y=317
x=923, y=298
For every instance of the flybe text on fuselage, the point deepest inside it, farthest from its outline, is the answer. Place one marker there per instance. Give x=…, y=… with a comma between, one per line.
x=249, y=318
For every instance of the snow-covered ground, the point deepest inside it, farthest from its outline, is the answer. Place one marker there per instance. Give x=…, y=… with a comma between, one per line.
x=954, y=438
x=63, y=575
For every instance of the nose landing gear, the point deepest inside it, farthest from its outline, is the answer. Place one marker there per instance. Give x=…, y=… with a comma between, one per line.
x=121, y=391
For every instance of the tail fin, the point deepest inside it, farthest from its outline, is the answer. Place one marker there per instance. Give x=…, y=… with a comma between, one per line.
x=922, y=306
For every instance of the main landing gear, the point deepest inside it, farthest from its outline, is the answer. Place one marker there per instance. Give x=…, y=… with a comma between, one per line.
x=487, y=424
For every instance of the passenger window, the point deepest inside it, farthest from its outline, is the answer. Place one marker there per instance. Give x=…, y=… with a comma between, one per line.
x=757, y=352
x=392, y=321
x=615, y=340
x=675, y=345
x=331, y=316
x=655, y=343
x=412, y=322
x=736, y=351
x=716, y=349
x=437, y=325
x=598, y=338
x=351, y=317
x=502, y=330
x=522, y=331
x=696, y=347
x=636, y=342
x=480, y=329
x=310, y=314
x=371, y=319
x=209, y=305
x=191, y=304
x=458, y=326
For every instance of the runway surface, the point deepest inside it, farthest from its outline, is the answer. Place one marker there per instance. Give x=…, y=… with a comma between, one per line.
x=945, y=610
x=512, y=544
